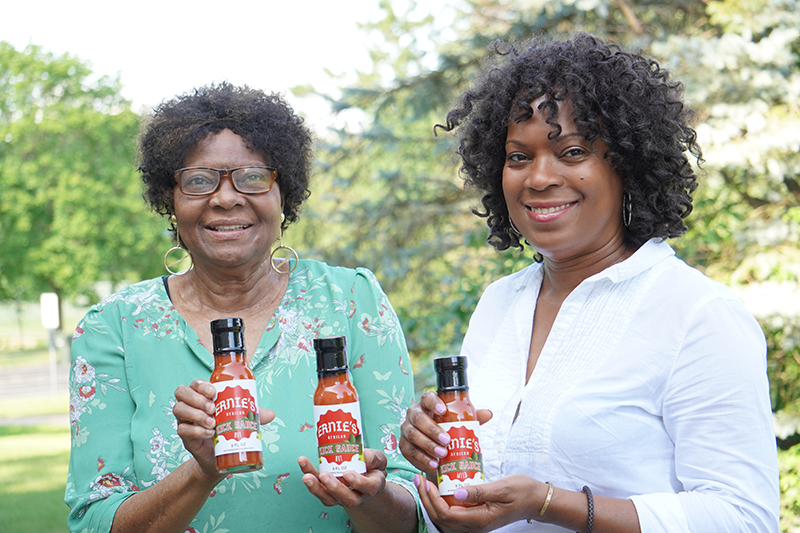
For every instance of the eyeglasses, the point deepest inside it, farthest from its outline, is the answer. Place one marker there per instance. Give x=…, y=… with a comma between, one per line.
x=202, y=181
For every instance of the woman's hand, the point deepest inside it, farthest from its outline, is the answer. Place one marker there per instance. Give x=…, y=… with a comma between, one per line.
x=373, y=505
x=353, y=489
x=422, y=441
x=502, y=502
x=195, y=414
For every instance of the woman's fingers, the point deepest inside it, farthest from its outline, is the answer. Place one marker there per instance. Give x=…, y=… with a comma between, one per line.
x=350, y=490
x=375, y=460
x=265, y=415
x=194, y=411
x=307, y=466
x=429, y=497
x=422, y=441
x=374, y=481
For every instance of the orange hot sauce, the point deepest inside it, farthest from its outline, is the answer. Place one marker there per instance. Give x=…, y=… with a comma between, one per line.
x=337, y=413
x=237, y=440
x=463, y=464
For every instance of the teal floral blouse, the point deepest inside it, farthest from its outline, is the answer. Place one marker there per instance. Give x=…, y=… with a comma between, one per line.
x=132, y=350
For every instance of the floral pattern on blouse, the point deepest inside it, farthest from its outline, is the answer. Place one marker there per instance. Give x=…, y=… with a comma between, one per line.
x=133, y=349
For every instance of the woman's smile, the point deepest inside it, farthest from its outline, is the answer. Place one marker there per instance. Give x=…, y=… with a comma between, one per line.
x=545, y=214
x=228, y=228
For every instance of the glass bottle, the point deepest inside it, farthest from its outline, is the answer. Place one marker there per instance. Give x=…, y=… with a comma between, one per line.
x=463, y=464
x=237, y=440
x=337, y=414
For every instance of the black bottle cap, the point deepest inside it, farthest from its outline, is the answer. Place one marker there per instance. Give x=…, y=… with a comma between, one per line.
x=228, y=335
x=451, y=373
x=331, y=355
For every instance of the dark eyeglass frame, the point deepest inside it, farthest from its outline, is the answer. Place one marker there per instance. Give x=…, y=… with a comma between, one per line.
x=225, y=172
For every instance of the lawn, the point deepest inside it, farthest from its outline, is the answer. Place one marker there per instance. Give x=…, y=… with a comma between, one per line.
x=33, y=466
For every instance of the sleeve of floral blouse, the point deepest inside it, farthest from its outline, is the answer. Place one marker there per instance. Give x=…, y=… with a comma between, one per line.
x=381, y=370
x=100, y=410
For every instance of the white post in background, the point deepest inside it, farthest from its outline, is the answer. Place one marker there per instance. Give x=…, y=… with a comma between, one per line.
x=50, y=322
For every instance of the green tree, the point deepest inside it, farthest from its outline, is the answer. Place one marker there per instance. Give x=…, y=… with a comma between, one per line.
x=389, y=193
x=71, y=211
x=742, y=72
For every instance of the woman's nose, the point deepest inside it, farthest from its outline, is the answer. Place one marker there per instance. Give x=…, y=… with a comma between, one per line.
x=543, y=173
x=226, y=195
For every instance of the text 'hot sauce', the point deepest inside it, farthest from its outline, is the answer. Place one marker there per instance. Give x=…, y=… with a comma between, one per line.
x=237, y=440
x=337, y=413
x=463, y=464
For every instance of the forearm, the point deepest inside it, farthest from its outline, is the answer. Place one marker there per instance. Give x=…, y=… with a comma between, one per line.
x=392, y=511
x=168, y=506
x=570, y=510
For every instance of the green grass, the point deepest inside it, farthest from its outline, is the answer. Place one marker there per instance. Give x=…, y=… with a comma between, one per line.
x=47, y=404
x=33, y=467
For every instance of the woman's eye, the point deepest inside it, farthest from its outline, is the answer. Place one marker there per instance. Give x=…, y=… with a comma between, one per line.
x=254, y=177
x=197, y=180
x=574, y=152
x=516, y=157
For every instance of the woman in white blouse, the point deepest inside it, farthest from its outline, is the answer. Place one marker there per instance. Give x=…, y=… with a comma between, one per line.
x=623, y=390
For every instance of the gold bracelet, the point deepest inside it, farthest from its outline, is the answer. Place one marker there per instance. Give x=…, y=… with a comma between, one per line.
x=546, y=503
x=547, y=500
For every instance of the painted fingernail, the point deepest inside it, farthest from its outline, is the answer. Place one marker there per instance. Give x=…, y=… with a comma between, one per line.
x=427, y=485
x=460, y=494
x=444, y=438
x=433, y=464
x=416, y=480
x=441, y=409
x=441, y=452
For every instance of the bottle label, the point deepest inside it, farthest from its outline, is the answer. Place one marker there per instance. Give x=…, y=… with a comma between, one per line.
x=339, y=439
x=237, y=421
x=463, y=464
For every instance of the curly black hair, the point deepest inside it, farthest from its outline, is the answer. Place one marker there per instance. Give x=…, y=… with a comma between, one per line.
x=625, y=99
x=266, y=122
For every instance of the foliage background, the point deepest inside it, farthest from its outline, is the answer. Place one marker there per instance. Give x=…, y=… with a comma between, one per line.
x=386, y=192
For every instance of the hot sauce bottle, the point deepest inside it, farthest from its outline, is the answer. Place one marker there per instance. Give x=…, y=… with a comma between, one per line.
x=463, y=464
x=337, y=413
x=237, y=440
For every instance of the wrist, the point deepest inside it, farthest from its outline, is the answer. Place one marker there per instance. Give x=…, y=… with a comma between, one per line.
x=540, y=510
x=393, y=509
x=202, y=478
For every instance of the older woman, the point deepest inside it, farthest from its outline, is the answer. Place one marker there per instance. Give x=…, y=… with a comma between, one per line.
x=627, y=391
x=230, y=167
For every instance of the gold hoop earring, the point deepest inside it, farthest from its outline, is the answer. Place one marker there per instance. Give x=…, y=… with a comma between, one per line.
x=169, y=264
x=284, y=263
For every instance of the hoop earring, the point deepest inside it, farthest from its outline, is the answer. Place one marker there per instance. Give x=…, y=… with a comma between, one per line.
x=627, y=209
x=167, y=264
x=287, y=260
x=518, y=232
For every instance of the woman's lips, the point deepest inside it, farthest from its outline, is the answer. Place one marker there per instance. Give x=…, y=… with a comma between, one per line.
x=548, y=213
x=229, y=228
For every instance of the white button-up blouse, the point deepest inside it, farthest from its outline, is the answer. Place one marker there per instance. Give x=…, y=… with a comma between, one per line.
x=651, y=386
